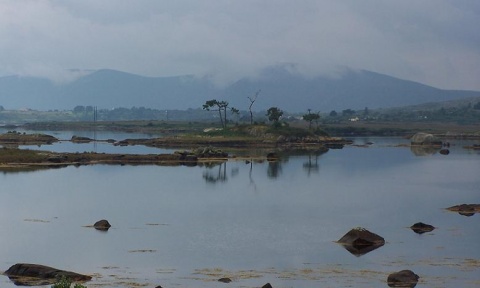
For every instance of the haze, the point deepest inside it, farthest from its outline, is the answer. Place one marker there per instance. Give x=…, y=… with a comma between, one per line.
x=435, y=42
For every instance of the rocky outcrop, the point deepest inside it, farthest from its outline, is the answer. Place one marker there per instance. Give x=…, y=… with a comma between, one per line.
x=404, y=278
x=465, y=209
x=360, y=241
x=425, y=139
x=421, y=228
x=102, y=225
x=35, y=275
x=80, y=139
x=201, y=153
x=13, y=137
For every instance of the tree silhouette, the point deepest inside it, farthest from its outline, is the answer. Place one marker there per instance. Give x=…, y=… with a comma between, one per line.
x=252, y=101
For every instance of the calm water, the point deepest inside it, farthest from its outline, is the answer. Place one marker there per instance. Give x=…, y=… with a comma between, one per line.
x=255, y=223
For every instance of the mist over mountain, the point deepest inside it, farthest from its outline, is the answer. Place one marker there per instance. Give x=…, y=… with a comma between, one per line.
x=280, y=86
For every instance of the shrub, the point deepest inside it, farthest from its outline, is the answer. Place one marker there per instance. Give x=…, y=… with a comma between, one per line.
x=65, y=282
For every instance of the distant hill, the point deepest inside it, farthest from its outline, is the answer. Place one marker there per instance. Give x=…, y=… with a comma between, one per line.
x=279, y=86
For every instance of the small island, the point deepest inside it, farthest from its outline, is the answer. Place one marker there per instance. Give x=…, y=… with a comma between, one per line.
x=208, y=145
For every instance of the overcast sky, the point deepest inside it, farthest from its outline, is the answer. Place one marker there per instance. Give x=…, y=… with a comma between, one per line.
x=436, y=42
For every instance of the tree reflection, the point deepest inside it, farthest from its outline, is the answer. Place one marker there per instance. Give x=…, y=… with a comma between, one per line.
x=311, y=166
x=252, y=182
x=274, y=169
x=220, y=175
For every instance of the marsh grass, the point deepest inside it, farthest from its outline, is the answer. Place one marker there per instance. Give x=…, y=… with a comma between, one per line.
x=65, y=282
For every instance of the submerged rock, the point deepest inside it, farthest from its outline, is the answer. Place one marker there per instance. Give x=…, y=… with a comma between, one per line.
x=225, y=280
x=35, y=275
x=421, y=228
x=360, y=241
x=102, y=225
x=404, y=278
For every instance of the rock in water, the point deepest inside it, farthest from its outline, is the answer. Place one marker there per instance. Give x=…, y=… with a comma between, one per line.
x=360, y=241
x=421, y=228
x=24, y=274
x=102, y=225
x=425, y=139
x=465, y=209
x=404, y=278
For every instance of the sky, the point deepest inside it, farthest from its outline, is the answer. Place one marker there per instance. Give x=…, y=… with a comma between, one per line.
x=435, y=42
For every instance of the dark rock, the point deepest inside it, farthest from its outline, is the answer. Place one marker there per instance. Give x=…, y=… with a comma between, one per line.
x=225, y=280
x=444, y=151
x=24, y=274
x=102, y=225
x=404, y=278
x=421, y=228
x=268, y=285
x=360, y=241
x=466, y=209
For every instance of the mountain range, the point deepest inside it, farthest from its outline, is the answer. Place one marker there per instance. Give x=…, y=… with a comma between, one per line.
x=278, y=86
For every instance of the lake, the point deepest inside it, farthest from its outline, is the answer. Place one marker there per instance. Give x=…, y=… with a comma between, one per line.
x=253, y=222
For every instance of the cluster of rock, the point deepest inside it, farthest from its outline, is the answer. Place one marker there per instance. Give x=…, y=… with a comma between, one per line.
x=427, y=144
x=26, y=274
x=202, y=153
x=360, y=241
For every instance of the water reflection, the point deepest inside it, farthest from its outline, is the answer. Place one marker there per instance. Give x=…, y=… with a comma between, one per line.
x=290, y=226
x=274, y=169
x=311, y=166
x=218, y=176
x=418, y=150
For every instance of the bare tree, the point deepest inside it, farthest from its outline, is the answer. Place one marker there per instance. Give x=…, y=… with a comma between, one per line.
x=252, y=101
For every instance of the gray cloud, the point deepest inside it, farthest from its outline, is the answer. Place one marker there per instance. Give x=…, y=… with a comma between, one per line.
x=431, y=41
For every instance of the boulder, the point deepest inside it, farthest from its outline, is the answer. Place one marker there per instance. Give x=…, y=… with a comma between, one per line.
x=425, y=139
x=225, y=280
x=360, y=241
x=444, y=151
x=404, y=278
x=24, y=274
x=421, y=228
x=465, y=209
x=102, y=225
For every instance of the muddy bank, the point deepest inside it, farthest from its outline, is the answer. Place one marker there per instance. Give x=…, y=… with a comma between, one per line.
x=238, y=142
x=12, y=158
